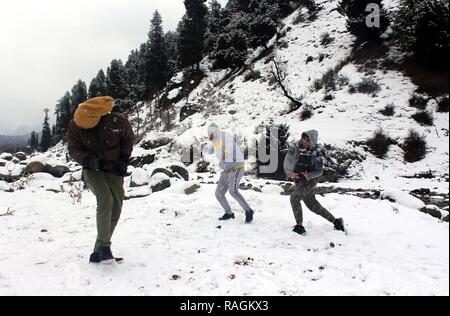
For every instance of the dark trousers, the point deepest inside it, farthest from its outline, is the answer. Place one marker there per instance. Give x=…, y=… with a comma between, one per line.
x=108, y=189
x=304, y=191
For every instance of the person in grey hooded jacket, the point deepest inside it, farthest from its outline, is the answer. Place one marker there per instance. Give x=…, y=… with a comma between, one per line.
x=231, y=160
x=304, y=164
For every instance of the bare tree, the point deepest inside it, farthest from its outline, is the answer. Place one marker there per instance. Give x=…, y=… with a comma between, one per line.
x=280, y=76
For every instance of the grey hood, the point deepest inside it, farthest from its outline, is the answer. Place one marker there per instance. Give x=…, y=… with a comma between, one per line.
x=313, y=136
x=293, y=155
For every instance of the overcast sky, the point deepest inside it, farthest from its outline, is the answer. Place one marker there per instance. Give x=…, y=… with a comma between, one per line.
x=47, y=45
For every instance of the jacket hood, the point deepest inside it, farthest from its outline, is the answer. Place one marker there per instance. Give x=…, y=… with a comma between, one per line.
x=313, y=136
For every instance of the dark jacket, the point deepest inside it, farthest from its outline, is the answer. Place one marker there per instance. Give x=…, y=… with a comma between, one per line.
x=311, y=159
x=111, y=140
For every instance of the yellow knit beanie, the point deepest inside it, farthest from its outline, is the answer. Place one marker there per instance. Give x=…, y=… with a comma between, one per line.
x=89, y=113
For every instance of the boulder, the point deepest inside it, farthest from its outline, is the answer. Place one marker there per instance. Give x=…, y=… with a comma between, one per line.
x=57, y=171
x=139, y=178
x=6, y=156
x=5, y=187
x=163, y=171
x=2, y=163
x=192, y=189
x=446, y=218
x=21, y=156
x=202, y=166
x=432, y=210
x=155, y=143
x=160, y=182
x=134, y=193
x=181, y=171
x=139, y=162
x=35, y=167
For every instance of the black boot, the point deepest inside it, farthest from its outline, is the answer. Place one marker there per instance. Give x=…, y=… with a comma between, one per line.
x=105, y=255
x=299, y=230
x=226, y=217
x=95, y=258
x=339, y=225
x=249, y=216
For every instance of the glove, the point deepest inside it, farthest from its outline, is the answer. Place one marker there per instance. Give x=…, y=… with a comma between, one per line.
x=93, y=163
x=122, y=166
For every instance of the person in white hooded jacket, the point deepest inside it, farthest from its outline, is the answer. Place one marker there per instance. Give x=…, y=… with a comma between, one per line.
x=231, y=160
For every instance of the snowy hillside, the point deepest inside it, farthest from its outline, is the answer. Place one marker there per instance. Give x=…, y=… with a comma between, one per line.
x=169, y=233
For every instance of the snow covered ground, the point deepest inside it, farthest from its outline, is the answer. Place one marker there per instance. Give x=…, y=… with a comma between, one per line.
x=174, y=245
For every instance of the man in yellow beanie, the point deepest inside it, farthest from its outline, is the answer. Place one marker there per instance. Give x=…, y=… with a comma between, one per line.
x=102, y=142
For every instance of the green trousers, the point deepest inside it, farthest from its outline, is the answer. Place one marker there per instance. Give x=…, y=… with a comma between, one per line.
x=109, y=191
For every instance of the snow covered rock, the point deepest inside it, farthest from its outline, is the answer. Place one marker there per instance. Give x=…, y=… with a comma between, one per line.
x=21, y=156
x=159, y=182
x=139, y=177
x=72, y=176
x=54, y=186
x=163, y=171
x=35, y=167
x=139, y=162
x=134, y=193
x=181, y=171
x=2, y=163
x=42, y=176
x=10, y=172
x=5, y=187
x=55, y=170
x=402, y=198
x=155, y=143
x=432, y=210
x=6, y=156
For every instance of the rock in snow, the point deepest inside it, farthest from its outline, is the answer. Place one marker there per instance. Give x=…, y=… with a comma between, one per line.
x=402, y=198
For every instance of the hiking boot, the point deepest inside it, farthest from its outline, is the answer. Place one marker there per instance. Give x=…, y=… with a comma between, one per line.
x=299, y=230
x=95, y=258
x=339, y=225
x=226, y=217
x=249, y=216
x=105, y=255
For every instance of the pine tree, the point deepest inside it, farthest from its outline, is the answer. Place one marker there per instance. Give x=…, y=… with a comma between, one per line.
x=216, y=24
x=79, y=95
x=134, y=74
x=421, y=27
x=98, y=85
x=231, y=50
x=239, y=6
x=357, y=17
x=171, y=39
x=192, y=31
x=34, y=141
x=157, y=68
x=46, y=136
x=63, y=113
x=264, y=21
x=116, y=83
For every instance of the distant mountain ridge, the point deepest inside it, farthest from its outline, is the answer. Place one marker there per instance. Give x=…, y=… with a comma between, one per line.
x=16, y=140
